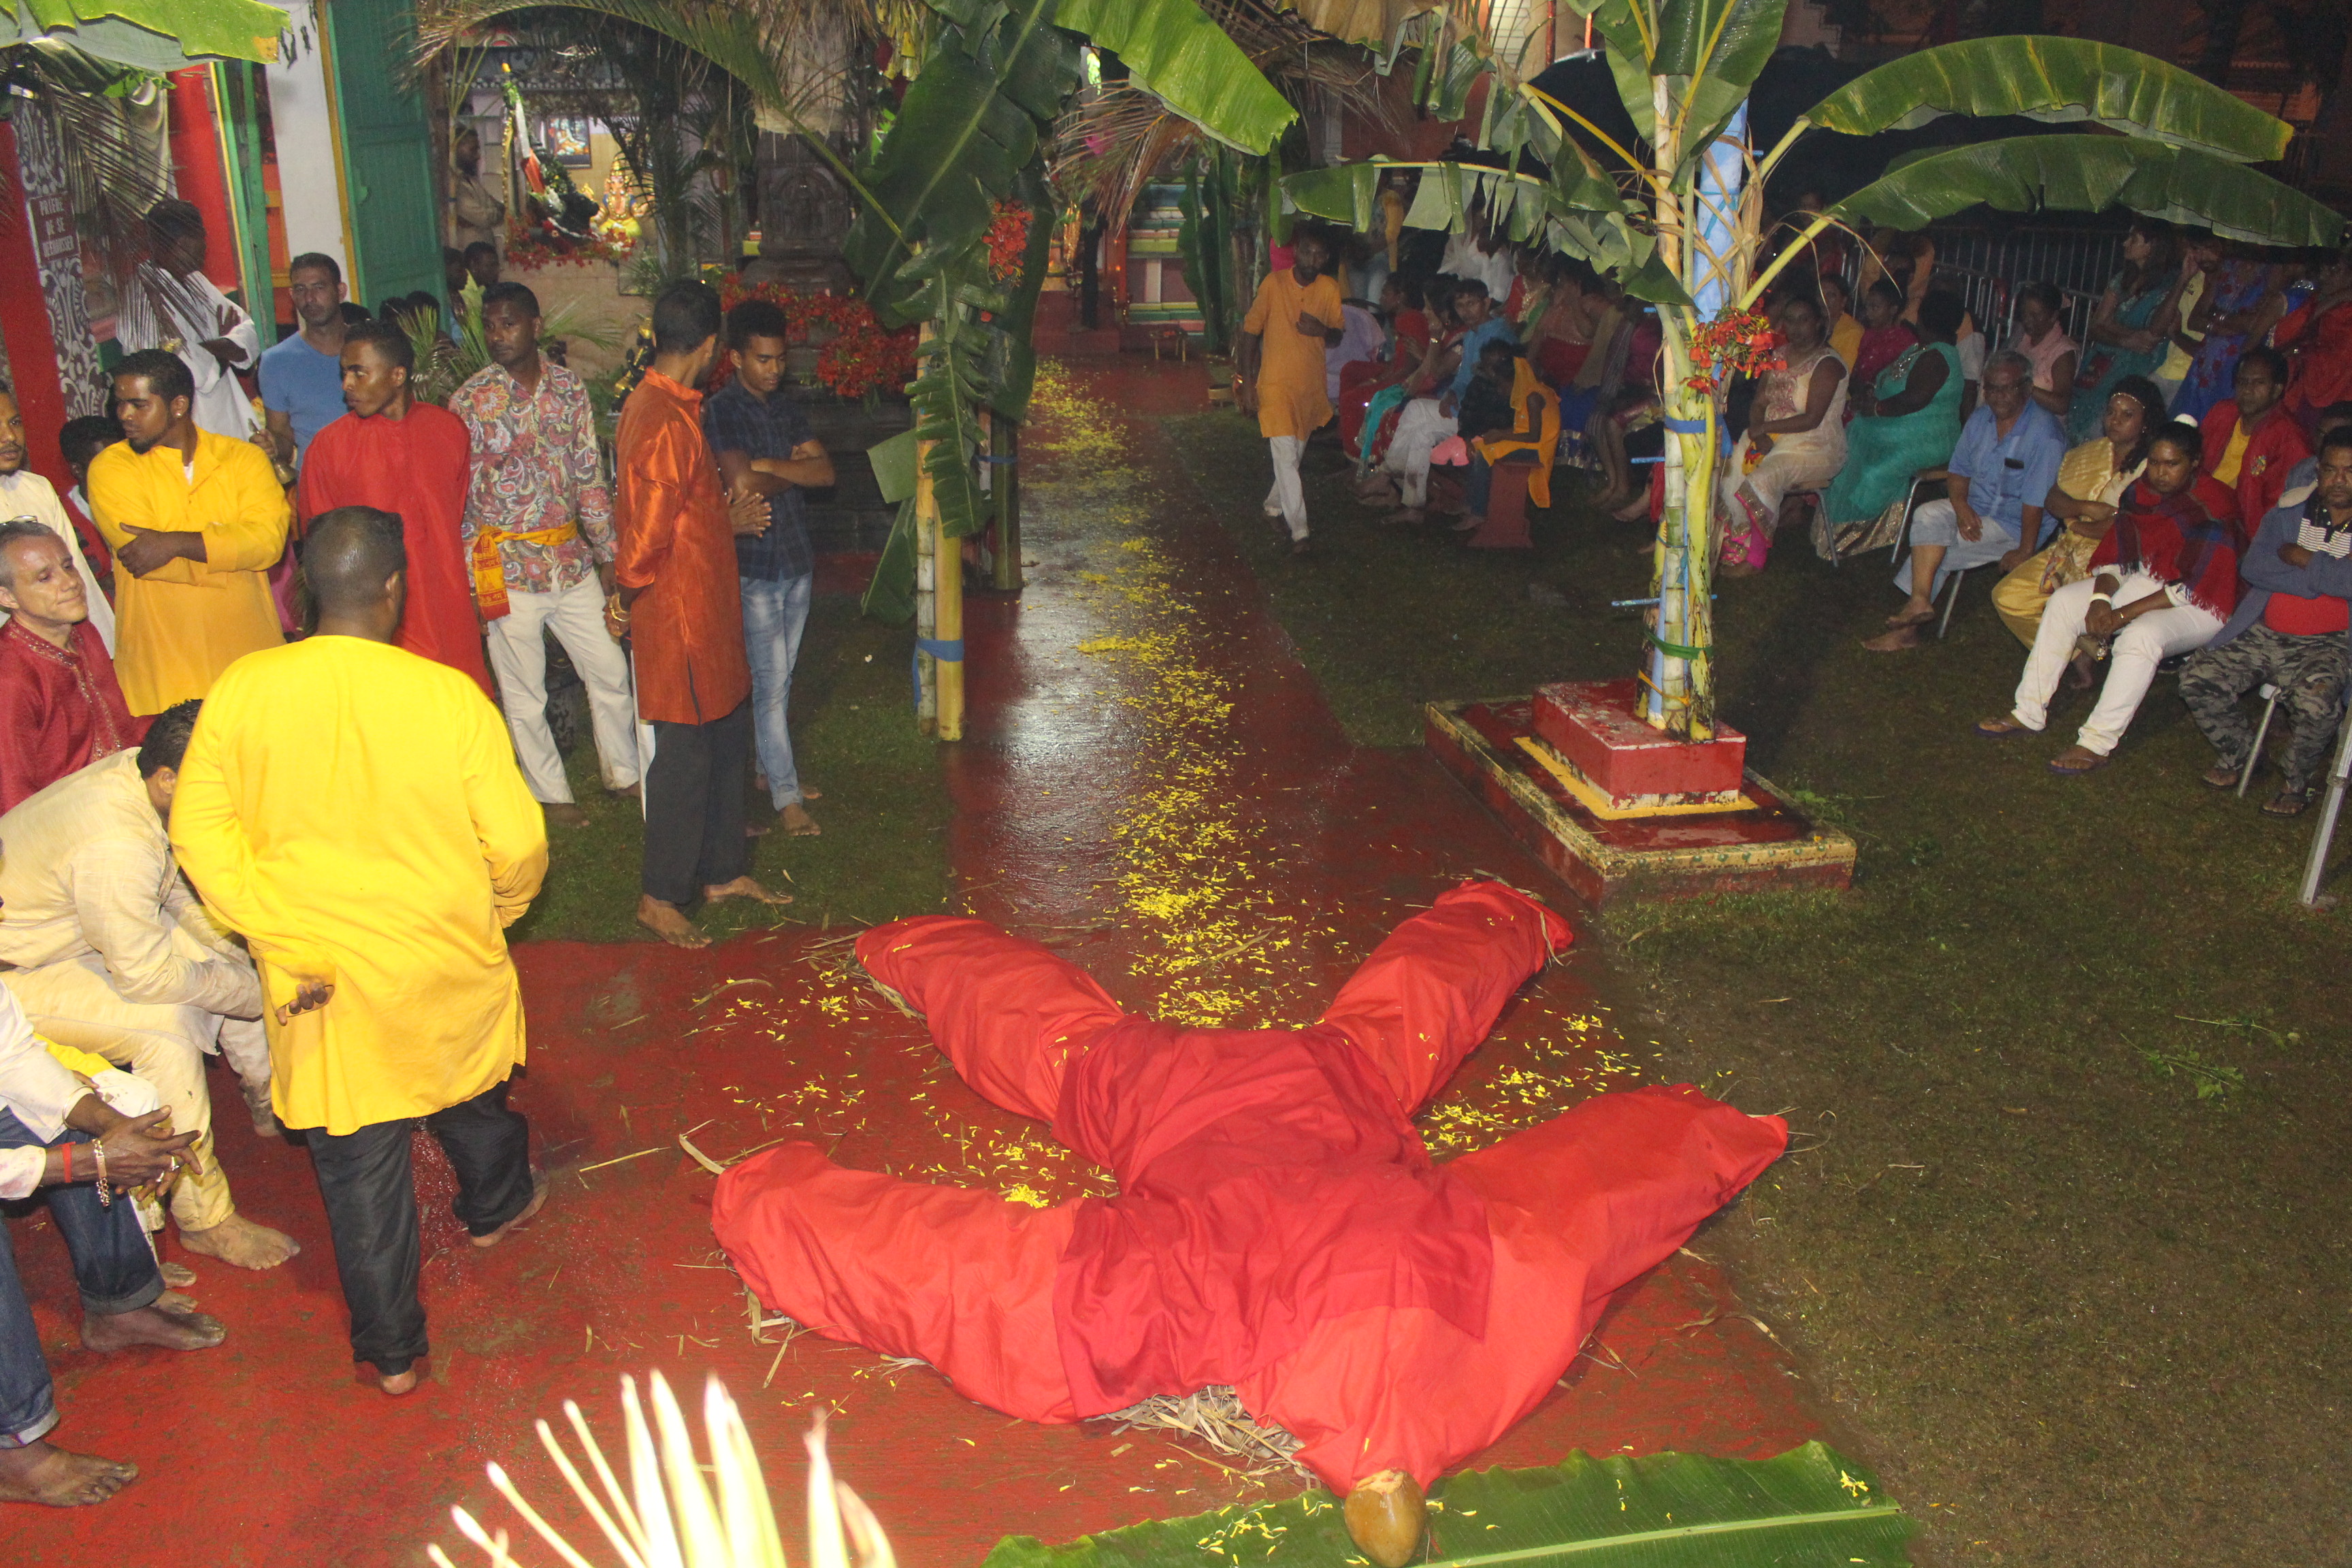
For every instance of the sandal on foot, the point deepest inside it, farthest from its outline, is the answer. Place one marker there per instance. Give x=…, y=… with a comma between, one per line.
x=2221, y=776
x=2001, y=729
x=2287, y=803
x=2075, y=761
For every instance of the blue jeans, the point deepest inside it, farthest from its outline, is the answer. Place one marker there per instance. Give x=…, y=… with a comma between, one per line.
x=113, y=1265
x=775, y=612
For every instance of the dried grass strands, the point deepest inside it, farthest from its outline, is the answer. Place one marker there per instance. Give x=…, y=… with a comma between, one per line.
x=1214, y=1417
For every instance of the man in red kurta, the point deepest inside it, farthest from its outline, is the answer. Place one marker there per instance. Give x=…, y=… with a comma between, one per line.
x=397, y=455
x=1279, y=1227
x=60, y=707
x=2251, y=442
x=682, y=609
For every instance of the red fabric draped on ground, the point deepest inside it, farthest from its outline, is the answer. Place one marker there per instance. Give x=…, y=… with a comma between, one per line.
x=1279, y=1226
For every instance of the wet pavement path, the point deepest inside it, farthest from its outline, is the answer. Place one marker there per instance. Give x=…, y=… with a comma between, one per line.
x=1151, y=785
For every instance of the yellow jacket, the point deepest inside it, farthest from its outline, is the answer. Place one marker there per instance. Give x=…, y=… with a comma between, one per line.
x=179, y=626
x=355, y=811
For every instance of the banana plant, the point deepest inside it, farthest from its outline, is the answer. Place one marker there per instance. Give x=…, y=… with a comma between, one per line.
x=1676, y=216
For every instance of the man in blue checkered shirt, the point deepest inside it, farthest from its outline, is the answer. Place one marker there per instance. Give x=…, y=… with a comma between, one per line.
x=764, y=446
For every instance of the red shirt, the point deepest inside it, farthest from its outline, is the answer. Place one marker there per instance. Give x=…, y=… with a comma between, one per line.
x=418, y=466
x=675, y=542
x=60, y=710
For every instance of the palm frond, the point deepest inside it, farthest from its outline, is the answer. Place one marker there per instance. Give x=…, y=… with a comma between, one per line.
x=113, y=119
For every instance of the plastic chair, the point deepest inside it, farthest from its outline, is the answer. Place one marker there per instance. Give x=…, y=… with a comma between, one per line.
x=1924, y=477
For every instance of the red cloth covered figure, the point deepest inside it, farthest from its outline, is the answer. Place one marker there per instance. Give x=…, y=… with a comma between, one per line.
x=1279, y=1227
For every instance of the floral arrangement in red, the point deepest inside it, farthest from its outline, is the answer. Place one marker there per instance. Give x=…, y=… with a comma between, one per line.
x=530, y=245
x=1737, y=343
x=1008, y=241
x=857, y=354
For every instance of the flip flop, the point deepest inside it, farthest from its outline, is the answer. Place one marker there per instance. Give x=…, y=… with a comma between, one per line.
x=2092, y=763
x=2001, y=729
x=2287, y=803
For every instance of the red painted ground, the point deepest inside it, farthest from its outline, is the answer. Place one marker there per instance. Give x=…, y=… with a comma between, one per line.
x=1151, y=782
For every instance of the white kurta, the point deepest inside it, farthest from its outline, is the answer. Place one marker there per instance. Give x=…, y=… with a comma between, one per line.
x=159, y=309
x=25, y=494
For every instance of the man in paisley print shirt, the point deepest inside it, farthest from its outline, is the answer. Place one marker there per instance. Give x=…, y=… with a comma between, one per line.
x=539, y=525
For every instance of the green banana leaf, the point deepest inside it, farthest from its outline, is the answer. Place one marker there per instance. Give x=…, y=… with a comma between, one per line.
x=974, y=116
x=2056, y=79
x=2090, y=174
x=1011, y=368
x=1710, y=52
x=1172, y=48
x=1806, y=1509
x=230, y=29
x=890, y=597
x=1344, y=192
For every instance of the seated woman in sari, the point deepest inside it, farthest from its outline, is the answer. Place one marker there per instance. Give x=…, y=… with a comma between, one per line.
x=1885, y=337
x=2318, y=342
x=2162, y=583
x=1912, y=421
x=1416, y=377
x=2243, y=300
x=2131, y=330
x=1559, y=338
x=1795, y=438
x=1400, y=356
x=2091, y=481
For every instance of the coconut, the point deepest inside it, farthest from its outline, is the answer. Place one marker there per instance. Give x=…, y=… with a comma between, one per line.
x=1387, y=1518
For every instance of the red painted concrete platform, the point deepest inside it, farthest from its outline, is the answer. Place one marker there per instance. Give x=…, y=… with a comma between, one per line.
x=1597, y=728
x=1775, y=845
x=1203, y=855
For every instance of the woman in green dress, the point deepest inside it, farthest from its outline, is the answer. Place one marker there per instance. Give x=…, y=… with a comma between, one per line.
x=2126, y=337
x=1911, y=421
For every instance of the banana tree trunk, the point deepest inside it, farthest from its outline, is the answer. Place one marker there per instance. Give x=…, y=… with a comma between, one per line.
x=1678, y=689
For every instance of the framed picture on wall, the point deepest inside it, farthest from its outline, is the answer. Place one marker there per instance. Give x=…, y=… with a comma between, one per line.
x=566, y=137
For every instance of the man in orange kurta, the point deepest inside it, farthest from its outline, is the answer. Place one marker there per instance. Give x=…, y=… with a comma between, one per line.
x=196, y=522
x=680, y=605
x=409, y=458
x=1294, y=318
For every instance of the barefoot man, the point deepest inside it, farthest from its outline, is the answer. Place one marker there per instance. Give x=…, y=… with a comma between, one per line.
x=355, y=811
x=53, y=1129
x=681, y=604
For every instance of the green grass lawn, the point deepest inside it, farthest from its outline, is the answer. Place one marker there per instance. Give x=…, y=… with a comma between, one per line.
x=2066, y=1240
x=883, y=852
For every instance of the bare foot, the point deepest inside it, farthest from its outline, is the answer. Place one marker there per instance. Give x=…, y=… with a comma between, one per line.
x=745, y=887
x=564, y=814
x=40, y=1472
x=665, y=921
x=538, y=1190
x=398, y=1382
x=1913, y=613
x=755, y=830
x=796, y=821
x=1635, y=511
x=238, y=1241
x=2081, y=673
x=178, y=1276
x=1895, y=641
x=164, y=1328
x=626, y=791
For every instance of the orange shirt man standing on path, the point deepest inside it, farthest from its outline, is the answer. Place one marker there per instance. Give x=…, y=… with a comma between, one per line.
x=1294, y=318
x=409, y=458
x=679, y=603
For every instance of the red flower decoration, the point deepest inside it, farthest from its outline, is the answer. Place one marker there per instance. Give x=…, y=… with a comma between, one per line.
x=859, y=357
x=1737, y=343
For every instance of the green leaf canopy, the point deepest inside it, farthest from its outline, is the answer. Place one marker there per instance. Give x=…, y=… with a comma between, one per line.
x=2090, y=174
x=2056, y=79
x=1806, y=1509
x=228, y=29
x=1169, y=48
x=1710, y=52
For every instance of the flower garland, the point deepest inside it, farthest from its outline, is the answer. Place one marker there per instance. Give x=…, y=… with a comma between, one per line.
x=532, y=245
x=1737, y=343
x=860, y=357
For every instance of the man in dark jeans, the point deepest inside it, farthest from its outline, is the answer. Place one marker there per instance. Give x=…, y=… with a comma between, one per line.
x=764, y=448
x=52, y=1127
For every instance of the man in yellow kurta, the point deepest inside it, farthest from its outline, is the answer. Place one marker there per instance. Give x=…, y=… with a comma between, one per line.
x=354, y=810
x=196, y=522
x=1294, y=318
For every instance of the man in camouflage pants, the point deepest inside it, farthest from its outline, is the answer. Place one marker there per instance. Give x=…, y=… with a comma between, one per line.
x=2290, y=629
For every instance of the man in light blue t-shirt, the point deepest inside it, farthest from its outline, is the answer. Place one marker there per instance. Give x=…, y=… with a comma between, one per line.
x=302, y=378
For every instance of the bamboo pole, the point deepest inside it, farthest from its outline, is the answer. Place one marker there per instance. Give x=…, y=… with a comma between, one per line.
x=926, y=545
x=1005, y=438
x=947, y=616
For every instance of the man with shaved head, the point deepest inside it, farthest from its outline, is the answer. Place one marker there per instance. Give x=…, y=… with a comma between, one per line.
x=343, y=763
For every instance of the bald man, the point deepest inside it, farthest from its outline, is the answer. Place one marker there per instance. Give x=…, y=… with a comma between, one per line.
x=344, y=761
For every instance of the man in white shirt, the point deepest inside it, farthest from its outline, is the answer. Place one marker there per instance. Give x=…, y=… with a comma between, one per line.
x=60, y=1139
x=109, y=952
x=172, y=306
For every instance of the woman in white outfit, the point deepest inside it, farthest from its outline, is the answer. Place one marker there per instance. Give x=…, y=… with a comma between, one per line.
x=1796, y=434
x=2162, y=582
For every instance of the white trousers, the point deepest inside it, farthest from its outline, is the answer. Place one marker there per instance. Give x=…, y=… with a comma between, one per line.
x=518, y=659
x=2132, y=656
x=1288, y=499
x=1419, y=430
